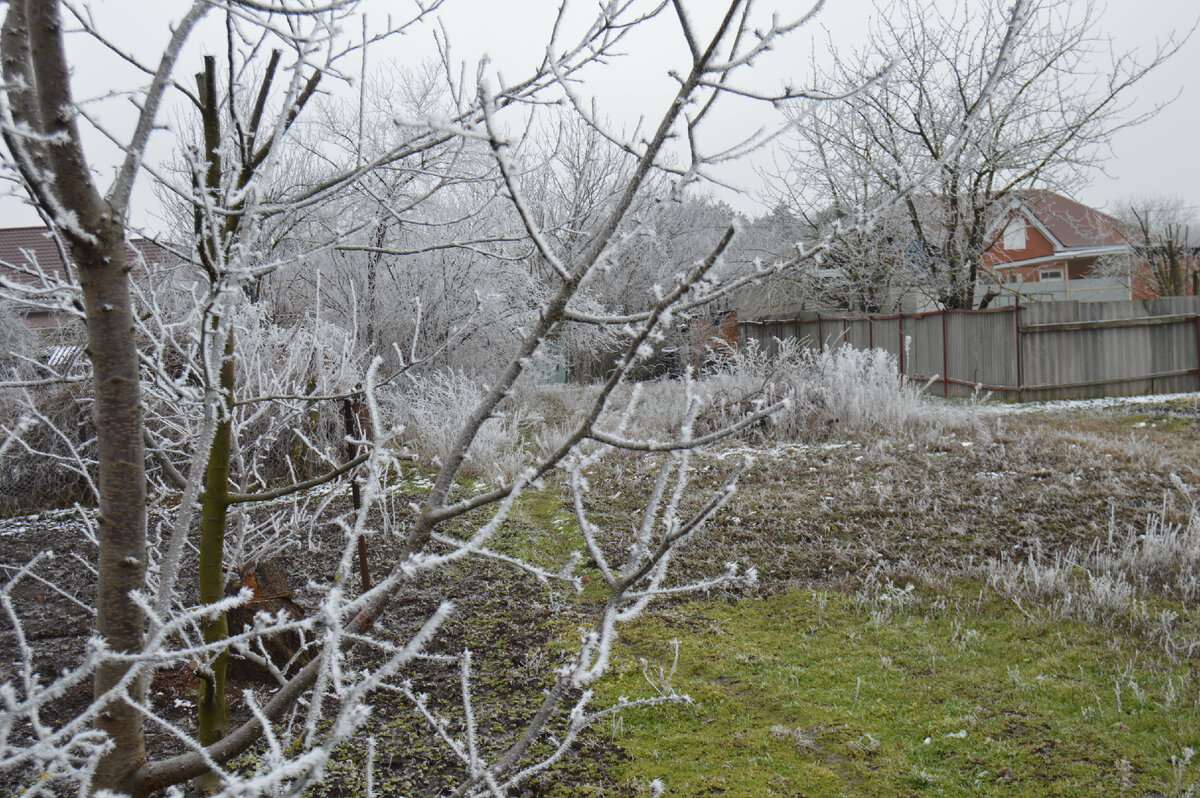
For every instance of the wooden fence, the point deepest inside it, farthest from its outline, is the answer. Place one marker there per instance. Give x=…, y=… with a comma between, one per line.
x=1052, y=350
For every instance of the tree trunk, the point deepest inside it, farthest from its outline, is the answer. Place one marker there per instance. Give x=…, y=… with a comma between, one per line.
x=1178, y=286
x=45, y=145
x=352, y=414
x=213, y=709
x=103, y=272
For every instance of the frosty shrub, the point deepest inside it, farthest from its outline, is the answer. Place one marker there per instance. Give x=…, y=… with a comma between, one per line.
x=314, y=357
x=50, y=445
x=294, y=437
x=45, y=429
x=16, y=343
x=47, y=465
x=429, y=408
x=860, y=390
x=836, y=392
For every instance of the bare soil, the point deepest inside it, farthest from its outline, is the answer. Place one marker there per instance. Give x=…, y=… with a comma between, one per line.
x=500, y=616
x=1007, y=486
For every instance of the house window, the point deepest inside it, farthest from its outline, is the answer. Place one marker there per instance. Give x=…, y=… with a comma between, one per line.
x=1013, y=277
x=1052, y=274
x=1014, y=234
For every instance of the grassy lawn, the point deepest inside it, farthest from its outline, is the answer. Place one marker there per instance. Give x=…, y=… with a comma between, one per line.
x=937, y=690
x=933, y=617
x=875, y=659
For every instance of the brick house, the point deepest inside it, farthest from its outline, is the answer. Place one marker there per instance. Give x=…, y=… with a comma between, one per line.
x=30, y=258
x=1049, y=247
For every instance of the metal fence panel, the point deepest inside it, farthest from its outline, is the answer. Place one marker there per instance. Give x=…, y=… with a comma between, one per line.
x=1052, y=350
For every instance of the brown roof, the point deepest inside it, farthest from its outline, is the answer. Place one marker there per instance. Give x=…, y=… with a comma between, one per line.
x=1074, y=225
x=20, y=247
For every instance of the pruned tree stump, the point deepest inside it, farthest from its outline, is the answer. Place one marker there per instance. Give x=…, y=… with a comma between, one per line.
x=272, y=595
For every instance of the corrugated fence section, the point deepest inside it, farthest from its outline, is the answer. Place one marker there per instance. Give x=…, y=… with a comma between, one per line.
x=1052, y=350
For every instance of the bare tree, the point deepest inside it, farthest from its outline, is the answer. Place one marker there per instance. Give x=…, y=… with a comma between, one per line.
x=870, y=266
x=954, y=129
x=176, y=356
x=437, y=229
x=1162, y=234
x=43, y=142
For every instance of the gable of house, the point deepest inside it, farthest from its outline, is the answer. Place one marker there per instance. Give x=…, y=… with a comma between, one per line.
x=1033, y=240
x=1075, y=225
x=1056, y=224
x=1065, y=241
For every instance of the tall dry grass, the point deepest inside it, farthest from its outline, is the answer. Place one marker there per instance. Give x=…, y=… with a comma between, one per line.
x=837, y=393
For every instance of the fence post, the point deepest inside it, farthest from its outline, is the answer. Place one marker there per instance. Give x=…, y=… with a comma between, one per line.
x=900, y=329
x=820, y=335
x=1017, y=332
x=945, y=376
x=1196, y=324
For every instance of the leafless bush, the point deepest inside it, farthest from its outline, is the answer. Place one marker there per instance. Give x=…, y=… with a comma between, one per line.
x=16, y=343
x=842, y=391
x=51, y=448
x=428, y=408
x=284, y=370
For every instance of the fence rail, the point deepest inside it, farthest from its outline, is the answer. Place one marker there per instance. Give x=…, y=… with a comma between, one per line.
x=1054, y=350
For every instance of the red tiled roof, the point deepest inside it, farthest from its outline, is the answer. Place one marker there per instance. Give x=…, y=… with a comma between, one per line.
x=20, y=247
x=1074, y=225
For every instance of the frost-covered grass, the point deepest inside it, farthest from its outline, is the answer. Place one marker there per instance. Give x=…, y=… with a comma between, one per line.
x=828, y=395
x=832, y=394
x=876, y=657
x=1010, y=588
x=1145, y=578
x=901, y=643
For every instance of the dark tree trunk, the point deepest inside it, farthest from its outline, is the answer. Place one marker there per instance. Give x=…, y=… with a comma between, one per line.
x=103, y=274
x=51, y=160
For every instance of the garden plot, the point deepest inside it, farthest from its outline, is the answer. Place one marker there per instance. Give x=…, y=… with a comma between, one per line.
x=929, y=619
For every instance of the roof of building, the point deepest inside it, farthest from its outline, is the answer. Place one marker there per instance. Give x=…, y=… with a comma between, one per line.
x=25, y=249
x=1072, y=224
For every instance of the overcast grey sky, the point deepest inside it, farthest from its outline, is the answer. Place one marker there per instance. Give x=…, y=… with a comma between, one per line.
x=1163, y=155
x=1159, y=157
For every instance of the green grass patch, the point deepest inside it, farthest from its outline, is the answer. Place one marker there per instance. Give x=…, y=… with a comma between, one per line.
x=901, y=692
x=542, y=530
x=1154, y=422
